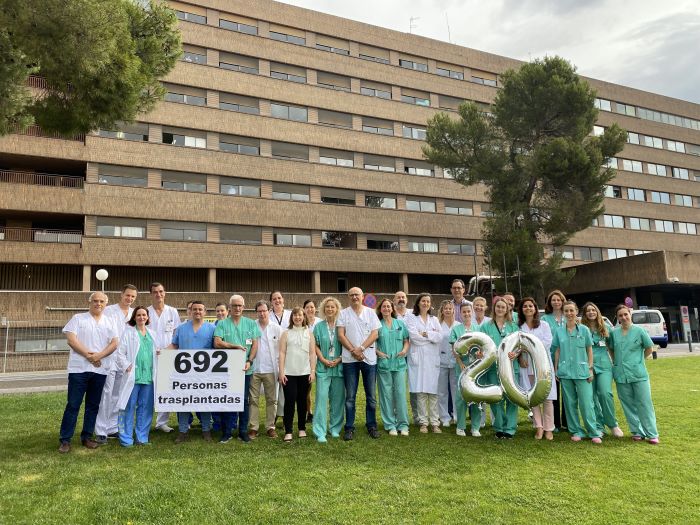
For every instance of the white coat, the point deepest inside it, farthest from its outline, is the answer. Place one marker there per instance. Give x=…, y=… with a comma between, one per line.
x=272, y=334
x=544, y=334
x=424, y=354
x=127, y=351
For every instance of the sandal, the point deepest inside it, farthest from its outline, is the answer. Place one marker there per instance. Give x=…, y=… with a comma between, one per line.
x=287, y=438
x=302, y=433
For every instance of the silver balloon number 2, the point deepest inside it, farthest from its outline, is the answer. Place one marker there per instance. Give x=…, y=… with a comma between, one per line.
x=481, y=347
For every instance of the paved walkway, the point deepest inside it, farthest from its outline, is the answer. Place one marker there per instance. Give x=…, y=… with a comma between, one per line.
x=28, y=382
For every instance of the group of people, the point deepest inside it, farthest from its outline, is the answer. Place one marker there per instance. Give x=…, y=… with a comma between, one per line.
x=112, y=365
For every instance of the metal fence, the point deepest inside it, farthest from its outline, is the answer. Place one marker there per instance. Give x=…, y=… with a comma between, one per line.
x=32, y=346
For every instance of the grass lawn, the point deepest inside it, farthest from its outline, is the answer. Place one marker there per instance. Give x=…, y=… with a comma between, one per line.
x=418, y=479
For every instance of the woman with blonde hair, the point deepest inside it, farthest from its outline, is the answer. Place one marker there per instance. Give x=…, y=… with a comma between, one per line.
x=330, y=386
x=479, y=308
x=602, y=370
x=447, y=380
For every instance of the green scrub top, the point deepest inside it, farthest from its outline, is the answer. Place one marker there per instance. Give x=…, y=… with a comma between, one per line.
x=143, y=374
x=629, y=366
x=390, y=341
x=242, y=334
x=497, y=336
x=601, y=357
x=457, y=332
x=573, y=357
x=331, y=349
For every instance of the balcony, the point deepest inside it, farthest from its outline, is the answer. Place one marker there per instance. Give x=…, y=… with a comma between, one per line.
x=41, y=235
x=41, y=179
x=36, y=131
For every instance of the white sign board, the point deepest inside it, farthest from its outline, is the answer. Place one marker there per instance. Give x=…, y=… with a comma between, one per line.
x=200, y=381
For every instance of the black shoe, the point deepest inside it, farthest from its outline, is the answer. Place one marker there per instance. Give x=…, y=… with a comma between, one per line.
x=225, y=439
x=499, y=435
x=243, y=436
x=506, y=435
x=309, y=418
x=114, y=435
x=373, y=433
x=349, y=434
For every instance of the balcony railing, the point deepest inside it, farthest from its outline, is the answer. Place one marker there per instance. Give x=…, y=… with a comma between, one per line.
x=41, y=235
x=41, y=179
x=37, y=82
x=36, y=131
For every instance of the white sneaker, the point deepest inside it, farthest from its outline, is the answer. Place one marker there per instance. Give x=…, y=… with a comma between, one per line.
x=423, y=429
x=165, y=428
x=393, y=432
x=476, y=434
x=461, y=432
x=446, y=424
x=404, y=432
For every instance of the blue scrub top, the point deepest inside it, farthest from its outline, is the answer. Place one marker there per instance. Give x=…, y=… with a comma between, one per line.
x=186, y=338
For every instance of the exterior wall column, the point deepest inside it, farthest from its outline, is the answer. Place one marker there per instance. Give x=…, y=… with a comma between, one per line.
x=403, y=283
x=633, y=296
x=316, y=282
x=212, y=280
x=87, y=273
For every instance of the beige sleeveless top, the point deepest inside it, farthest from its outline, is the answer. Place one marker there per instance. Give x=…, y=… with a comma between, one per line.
x=297, y=361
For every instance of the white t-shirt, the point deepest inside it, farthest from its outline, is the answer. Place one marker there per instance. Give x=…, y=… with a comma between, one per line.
x=114, y=312
x=95, y=336
x=268, y=349
x=357, y=329
x=163, y=326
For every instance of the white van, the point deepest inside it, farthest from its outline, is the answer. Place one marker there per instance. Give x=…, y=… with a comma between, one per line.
x=653, y=323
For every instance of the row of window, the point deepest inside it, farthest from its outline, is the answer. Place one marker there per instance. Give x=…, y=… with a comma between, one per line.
x=661, y=170
x=655, y=142
x=195, y=182
x=647, y=114
x=658, y=197
x=642, y=224
x=239, y=234
x=342, y=47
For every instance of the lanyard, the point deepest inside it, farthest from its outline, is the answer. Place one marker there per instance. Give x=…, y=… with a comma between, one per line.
x=278, y=319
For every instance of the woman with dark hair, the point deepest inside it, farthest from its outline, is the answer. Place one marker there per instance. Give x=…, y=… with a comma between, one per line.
x=630, y=344
x=554, y=317
x=530, y=323
x=424, y=362
x=136, y=358
x=279, y=314
x=602, y=370
x=392, y=347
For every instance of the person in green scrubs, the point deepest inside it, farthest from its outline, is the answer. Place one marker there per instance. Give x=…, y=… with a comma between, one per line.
x=392, y=347
x=330, y=386
x=460, y=367
x=629, y=345
x=505, y=413
x=573, y=365
x=554, y=317
x=602, y=370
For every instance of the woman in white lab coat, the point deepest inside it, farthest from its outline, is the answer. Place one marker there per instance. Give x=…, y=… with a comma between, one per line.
x=425, y=335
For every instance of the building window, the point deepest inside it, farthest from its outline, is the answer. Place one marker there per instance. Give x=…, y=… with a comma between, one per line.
x=235, y=234
x=237, y=26
x=183, y=231
x=416, y=66
x=238, y=67
x=194, y=57
x=376, y=200
x=381, y=127
x=290, y=73
x=240, y=108
x=602, y=104
x=335, y=118
x=182, y=98
x=183, y=181
x=418, y=101
x=632, y=138
x=485, y=81
x=241, y=145
x=381, y=242
x=338, y=50
x=332, y=81
x=637, y=223
x=660, y=197
x=653, y=142
x=656, y=169
x=635, y=194
x=346, y=240
x=683, y=200
x=632, y=165
x=414, y=204
x=287, y=150
x=176, y=139
x=122, y=176
x=336, y=157
x=461, y=248
x=241, y=187
x=377, y=163
x=625, y=109
x=283, y=37
x=616, y=253
x=373, y=91
x=672, y=145
x=613, y=221
x=687, y=228
x=614, y=192
x=413, y=132
x=289, y=112
x=136, y=132
x=584, y=253
x=290, y=192
x=422, y=170
x=292, y=239
x=423, y=246
x=458, y=208
x=191, y=17
x=680, y=173
x=338, y=196
x=663, y=226
x=598, y=131
x=115, y=227
x=444, y=72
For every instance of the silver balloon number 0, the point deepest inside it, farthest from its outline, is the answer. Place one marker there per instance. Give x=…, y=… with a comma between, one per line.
x=515, y=343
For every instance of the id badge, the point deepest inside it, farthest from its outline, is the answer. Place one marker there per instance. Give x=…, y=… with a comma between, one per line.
x=248, y=342
x=601, y=343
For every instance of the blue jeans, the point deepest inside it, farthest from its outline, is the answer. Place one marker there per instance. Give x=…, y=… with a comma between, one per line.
x=185, y=419
x=228, y=419
x=140, y=402
x=88, y=385
x=351, y=375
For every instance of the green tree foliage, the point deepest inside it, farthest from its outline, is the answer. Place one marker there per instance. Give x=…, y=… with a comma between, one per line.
x=101, y=59
x=541, y=167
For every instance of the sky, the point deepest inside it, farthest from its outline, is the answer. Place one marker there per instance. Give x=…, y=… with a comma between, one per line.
x=653, y=45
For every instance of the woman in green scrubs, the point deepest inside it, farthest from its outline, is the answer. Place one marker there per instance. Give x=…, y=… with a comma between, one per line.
x=554, y=317
x=629, y=345
x=505, y=413
x=330, y=387
x=573, y=365
x=602, y=370
x=460, y=367
x=392, y=347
